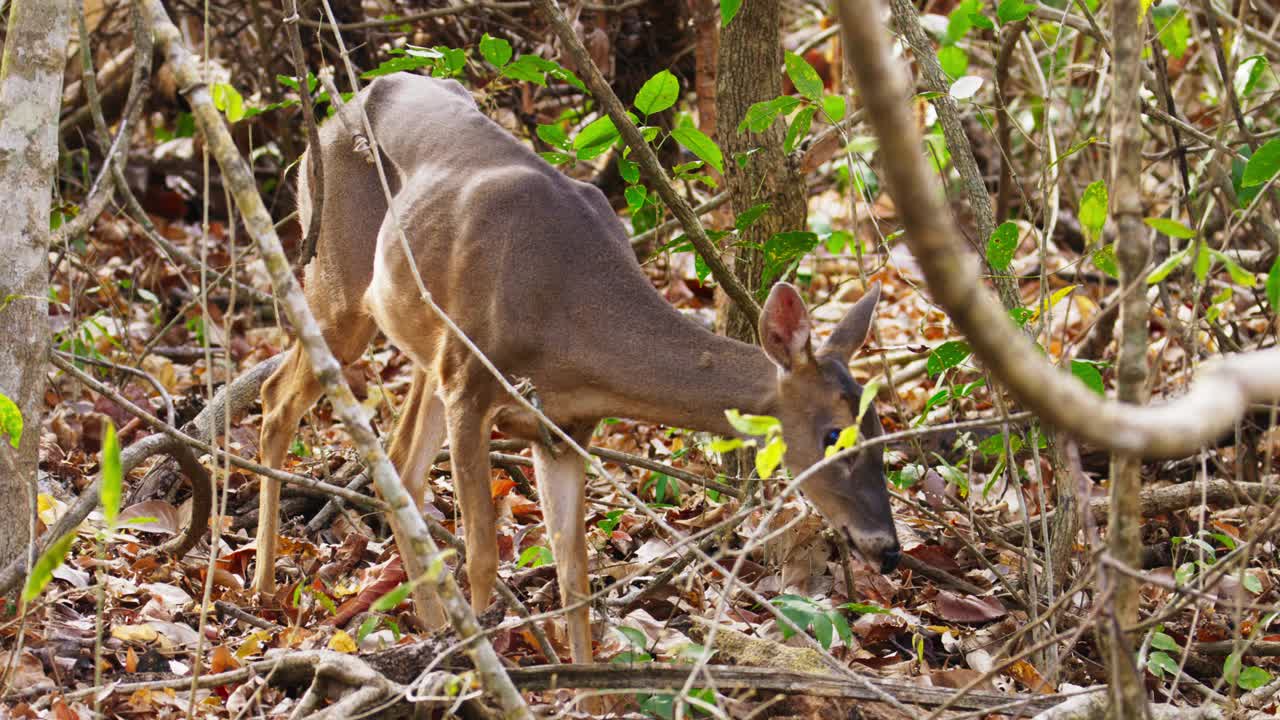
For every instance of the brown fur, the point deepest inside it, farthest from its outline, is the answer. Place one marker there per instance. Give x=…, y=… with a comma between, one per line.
x=537, y=270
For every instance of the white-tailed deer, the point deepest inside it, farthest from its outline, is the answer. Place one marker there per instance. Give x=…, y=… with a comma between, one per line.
x=536, y=268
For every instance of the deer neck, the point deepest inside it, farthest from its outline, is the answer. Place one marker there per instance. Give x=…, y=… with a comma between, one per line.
x=665, y=368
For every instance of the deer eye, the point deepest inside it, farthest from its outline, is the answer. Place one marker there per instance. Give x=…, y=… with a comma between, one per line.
x=832, y=436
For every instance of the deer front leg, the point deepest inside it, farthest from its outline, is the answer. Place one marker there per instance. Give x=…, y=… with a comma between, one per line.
x=468, y=424
x=286, y=395
x=562, y=483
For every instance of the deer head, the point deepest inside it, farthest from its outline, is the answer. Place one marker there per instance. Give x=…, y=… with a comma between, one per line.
x=816, y=399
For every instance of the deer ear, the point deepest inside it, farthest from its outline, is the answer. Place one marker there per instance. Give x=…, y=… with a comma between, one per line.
x=852, y=331
x=784, y=327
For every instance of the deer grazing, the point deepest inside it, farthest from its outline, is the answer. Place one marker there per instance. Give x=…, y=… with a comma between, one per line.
x=537, y=269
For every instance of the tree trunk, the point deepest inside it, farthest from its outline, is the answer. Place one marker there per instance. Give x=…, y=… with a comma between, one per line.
x=1133, y=251
x=31, y=72
x=750, y=70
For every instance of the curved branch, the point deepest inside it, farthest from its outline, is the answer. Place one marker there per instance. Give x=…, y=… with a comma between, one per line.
x=1176, y=428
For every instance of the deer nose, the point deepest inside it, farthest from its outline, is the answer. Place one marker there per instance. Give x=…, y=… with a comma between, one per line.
x=889, y=559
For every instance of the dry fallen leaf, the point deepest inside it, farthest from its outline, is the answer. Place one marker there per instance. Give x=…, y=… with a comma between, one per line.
x=1025, y=673
x=342, y=642
x=967, y=608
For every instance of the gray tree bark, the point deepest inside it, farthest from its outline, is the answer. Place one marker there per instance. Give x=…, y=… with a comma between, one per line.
x=1133, y=251
x=750, y=71
x=31, y=73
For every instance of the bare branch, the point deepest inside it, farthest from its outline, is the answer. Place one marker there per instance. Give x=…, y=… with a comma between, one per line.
x=1174, y=429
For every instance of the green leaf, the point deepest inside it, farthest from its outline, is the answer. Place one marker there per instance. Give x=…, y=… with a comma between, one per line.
x=842, y=628
x=392, y=598
x=868, y=397
x=633, y=657
x=1201, y=264
x=11, y=420
x=556, y=158
x=993, y=447
x=822, y=630
x=844, y=440
x=1161, y=641
x=324, y=600
x=1248, y=74
x=806, y=80
x=1001, y=246
x=635, y=637
x=1231, y=667
x=728, y=10
x=227, y=99
x=534, y=69
x=535, y=556
x=524, y=70
x=724, y=445
x=693, y=652
x=1174, y=34
x=1160, y=664
x=960, y=21
x=770, y=456
x=837, y=240
x=42, y=571
x=799, y=128
x=834, y=107
x=1239, y=275
x=1087, y=373
x=112, y=476
x=403, y=63
x=496, y=50
x=596, y=138
x=1273, y=294
x=749, y=216
x=1170, y=227
x=946, y=356
x=700, y=145
x=1251, y=583
x=755, y=425
x=369, y=625
x=1163, y=269
x=635, y=195
x=1093, y=207
x=1012, y=11
x=658, y=93
x=954, y=60
x=1105, y=259
x=629, y=170
x=554, y=136
x=1252, y=678
x=1263, y=165
x=784, y=248
x=762, y=114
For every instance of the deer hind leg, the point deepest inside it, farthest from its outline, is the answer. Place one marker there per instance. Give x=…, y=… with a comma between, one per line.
x=418, y=435
x=562, y=480
x=417, y=438
x=290, y=391
x=468, y=422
